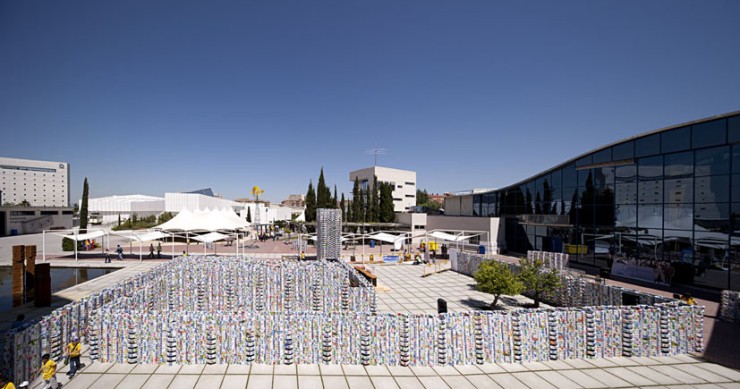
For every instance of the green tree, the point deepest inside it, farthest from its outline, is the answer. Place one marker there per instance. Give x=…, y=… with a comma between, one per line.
x=536, y=279
x=358, y=205
x=323, y=193
x=164, y=217
x=497, y=279
x=350, y=216
x=311, y=203
x=342, y=205
x=83, y=207
x=387, y=211
x=422, y=197
x=249, y=214
x=24, y=203
x=119, y=220
x=334, y=199
x=374, y=202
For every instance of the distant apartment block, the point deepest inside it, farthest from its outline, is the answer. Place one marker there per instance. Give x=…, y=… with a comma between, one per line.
x=403, y=181
x=40, y=183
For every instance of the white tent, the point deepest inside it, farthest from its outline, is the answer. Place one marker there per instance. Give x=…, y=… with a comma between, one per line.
x=210, y=238
x=74, y=235
x=449, y=237
x=141, y=236
x=396, y=240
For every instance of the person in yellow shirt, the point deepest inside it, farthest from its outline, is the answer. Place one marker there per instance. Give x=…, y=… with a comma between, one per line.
x=6, y=384
x=49, y=372
x=73, y=351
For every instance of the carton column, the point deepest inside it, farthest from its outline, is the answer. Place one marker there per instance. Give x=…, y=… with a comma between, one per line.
x=18, y=273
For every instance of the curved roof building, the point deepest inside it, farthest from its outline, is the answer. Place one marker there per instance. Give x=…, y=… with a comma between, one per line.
x=659, y=206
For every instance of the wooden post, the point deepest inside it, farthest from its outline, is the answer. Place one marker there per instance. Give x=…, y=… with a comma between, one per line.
x=30, y=271
x=18, y=274
x=42, y=288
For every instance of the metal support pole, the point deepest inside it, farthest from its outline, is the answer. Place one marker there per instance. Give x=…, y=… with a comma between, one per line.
x=43, y=244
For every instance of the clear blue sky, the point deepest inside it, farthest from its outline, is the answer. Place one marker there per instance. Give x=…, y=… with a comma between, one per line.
x=155, y=96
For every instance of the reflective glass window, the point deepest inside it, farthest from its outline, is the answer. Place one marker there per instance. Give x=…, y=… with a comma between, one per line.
x=555, y=179
x=677, y=244
x=585, y=161
x=570, y=177
x=623, y=151
x=625, y=216
x=626, y=173
x=676, y=140
x=650, y=216
x=603, y=156
x=649, y=168
x=712, y=216
x=649, y=145
x=710, y=189
x=712, y=161
x=625, y=193
x=736, y=159
x=709, y=134
x=477, y=205
x=679, y=164
x=583, y=177
x=678, y=216
x=679, y=190
x=649, y=192
x=735, y=189
x=733, y=129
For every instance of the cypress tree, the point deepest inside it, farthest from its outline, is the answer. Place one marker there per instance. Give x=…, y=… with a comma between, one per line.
x=373, y=214
x=310, y=203
x=358, y=205
x=387, y=211
x=323, y=193
x=342, y=206
x=249, y=214
x=83, y=208
x=350, y=216
x=335, y=200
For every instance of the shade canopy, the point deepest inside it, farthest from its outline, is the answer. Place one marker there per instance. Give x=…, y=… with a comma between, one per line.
x=141, y=236
x=204, y=220
x=210, y=237
x=449, y=237
x=79, y=237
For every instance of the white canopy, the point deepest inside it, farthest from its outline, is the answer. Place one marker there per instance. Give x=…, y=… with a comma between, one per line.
x=389, y=238
x=449, y=237
x=210, y=237
x=141, y=236
x=204, y=220
x=79, y=237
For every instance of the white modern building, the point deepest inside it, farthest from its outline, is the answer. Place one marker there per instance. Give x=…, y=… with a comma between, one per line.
x=176, y=202
x=40, y=183
x=403, y=181
x=111, y=208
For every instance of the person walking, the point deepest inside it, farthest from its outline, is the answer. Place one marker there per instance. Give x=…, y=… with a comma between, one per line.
x=107, y=256
x=119, y=252
x=159, y=250
x=49, y=372
x=73, y=351
x=151, y=250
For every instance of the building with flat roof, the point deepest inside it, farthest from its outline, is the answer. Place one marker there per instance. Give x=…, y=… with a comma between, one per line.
x=660, y=206
x=403, y=181
x=39, y=183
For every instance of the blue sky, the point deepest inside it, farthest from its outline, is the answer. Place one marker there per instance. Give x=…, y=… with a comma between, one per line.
x=149, y=97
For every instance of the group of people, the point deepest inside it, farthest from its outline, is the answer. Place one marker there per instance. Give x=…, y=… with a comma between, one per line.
x=159, y=250
x=119, y=254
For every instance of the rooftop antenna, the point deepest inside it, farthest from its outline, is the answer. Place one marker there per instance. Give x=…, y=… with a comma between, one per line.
x=375, y=152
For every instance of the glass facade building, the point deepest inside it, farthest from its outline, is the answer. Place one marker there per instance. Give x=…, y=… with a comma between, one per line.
x=665, y=200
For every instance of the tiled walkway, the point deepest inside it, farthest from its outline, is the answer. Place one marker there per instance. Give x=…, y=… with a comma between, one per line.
x=401, y=288
x=675, y=372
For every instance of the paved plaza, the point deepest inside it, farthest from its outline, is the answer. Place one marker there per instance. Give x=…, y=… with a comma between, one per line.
x=401, y=288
